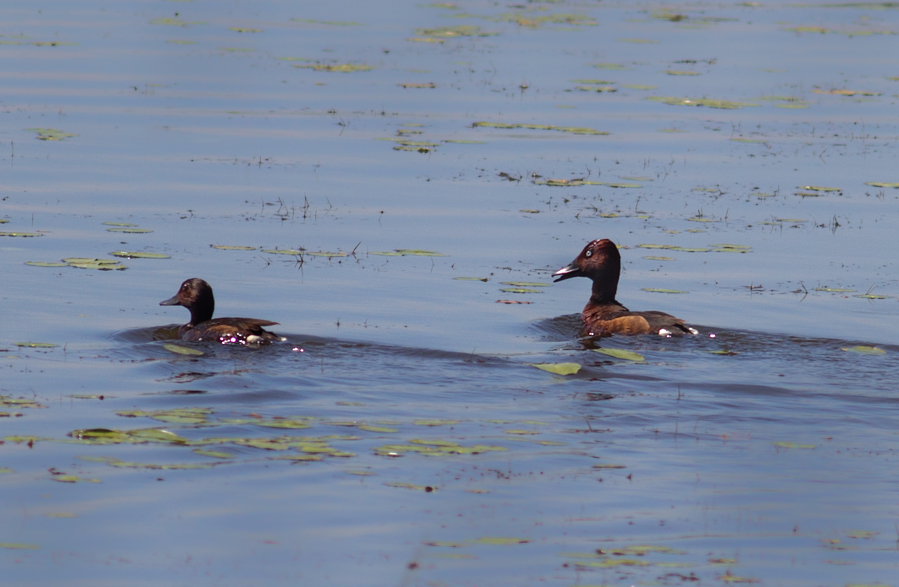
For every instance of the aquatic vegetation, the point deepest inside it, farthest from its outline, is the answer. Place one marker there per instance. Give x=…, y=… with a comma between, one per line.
x=51, y=134
x=569, y=129
x=622, y=354
x=558, y=368
x=721, y=104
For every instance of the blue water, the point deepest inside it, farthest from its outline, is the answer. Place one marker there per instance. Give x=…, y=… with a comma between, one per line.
x=760, y=450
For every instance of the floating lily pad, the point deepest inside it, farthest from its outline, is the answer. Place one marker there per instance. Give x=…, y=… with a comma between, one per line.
x=326, y=254
x=870, y=296
x=383, y=429
x=232, y=248
x=18, y=546
x=470, y=278
x=425, y=85
x=722, y=104
x=622, y=354
x=793, y=445
x=558, y=368
x=661, y=290
x=128, y=230
x=282, y=252
x=138, y=255
x=182, y=350
x=879, y=184
x=339, y=68
x=51, y=134
x=45, y=264
x=835, y=289
x=238, y=29
x=657, y=258
x=36, y=345
x=681, y=72
x=407, y=252
x=527, y=283
x=569, y=129
x=72, y=479
x=519, y=290
x=98, y=264
x=730, y=248
x=21, y=234
x=123, y=224
x=426, y=488
x=499, y=541
x=215, y=454
x=451, y=32
x=865, y=350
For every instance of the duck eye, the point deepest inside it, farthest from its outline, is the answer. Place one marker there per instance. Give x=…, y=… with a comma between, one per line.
x=588, y=254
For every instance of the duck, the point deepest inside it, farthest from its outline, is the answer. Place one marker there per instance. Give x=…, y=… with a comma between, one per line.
x=196, y=295
x=603, y=315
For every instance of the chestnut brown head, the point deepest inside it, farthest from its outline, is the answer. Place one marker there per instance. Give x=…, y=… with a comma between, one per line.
x=599, y=261
x=195, y=295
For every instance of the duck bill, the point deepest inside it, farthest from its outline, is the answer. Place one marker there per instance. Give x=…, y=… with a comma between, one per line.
x=567, y=272
x=172, y=301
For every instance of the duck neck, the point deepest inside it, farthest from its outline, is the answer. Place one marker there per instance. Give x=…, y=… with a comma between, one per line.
x=604, y=292
x=202, y=312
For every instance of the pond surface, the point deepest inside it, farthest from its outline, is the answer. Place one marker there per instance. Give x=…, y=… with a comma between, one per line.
x=421, y=165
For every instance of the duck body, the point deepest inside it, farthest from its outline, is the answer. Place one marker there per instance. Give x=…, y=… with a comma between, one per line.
x=604, y=315
x=196, y=295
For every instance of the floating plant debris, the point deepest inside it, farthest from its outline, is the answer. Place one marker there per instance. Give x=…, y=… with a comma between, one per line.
x=570, y=129
x=865, y=350
x=98, y=264
x=662, y=290
x=558, y=368
x=51, y=134
x=622, y=354
x=21, y=234
x=722, y=104
x=182, y=350
x=232, y=248
x=407, y=252
x=339, y=68
x=138, y=255
x=128, y=230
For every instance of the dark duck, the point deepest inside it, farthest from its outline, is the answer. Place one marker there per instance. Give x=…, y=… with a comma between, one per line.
x=196, y=295
x=604, y=315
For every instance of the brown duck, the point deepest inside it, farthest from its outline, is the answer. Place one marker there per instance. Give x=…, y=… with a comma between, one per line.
x=604, y=315
x=196, y=295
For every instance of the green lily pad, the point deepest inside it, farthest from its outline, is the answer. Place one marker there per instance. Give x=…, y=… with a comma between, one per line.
x=657, y=258
x=182, y=350
x=622, y=354
x=484, y=279
x=122, y=224
x=792, y=445
x=128, y=230
x=98, y=264
x=232, y=248
x=45, y=264
x=722, y=104
x=138, y=255
x=338, y=68
x=835, y=289
x=661, y=290
x=72, y=479
x=36, y=345
x=527, y=283
x=569, y=129
x=215, y=454
x=879, y=184
x=558, y=368
x=407, y=252
x=282, y=252
x=18, y=546
x=51, y=134
x=20, y=234
x=865, y=350
x=520, y=290
x=368, y=428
